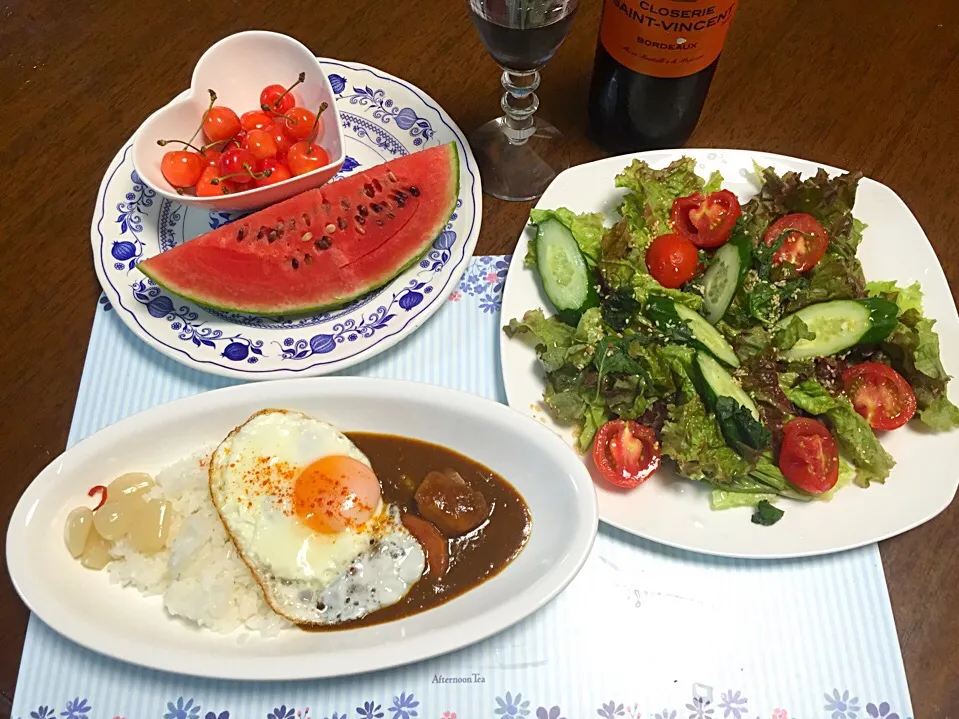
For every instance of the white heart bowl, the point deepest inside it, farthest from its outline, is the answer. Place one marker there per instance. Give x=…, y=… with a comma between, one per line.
x=237, y=68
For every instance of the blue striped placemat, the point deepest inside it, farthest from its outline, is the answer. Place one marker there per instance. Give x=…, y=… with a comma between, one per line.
x=643, y=631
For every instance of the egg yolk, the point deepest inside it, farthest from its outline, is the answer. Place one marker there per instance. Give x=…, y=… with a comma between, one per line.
x=335, y=493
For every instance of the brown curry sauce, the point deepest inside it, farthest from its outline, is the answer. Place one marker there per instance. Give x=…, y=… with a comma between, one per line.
x=401, y=464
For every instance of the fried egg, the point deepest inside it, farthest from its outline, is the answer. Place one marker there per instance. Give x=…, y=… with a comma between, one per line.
x=304, y=509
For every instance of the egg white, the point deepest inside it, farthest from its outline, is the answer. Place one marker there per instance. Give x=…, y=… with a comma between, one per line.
x=307, y=576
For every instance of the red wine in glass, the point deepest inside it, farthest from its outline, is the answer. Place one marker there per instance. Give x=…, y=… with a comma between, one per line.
x=519, y=154
x=523, y=48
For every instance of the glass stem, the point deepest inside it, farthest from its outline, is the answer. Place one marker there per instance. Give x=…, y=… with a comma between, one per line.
x=519, y=103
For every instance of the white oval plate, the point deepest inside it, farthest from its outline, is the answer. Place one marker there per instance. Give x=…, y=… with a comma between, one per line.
x=382, y=118
x=675, y=511
x=83, y=606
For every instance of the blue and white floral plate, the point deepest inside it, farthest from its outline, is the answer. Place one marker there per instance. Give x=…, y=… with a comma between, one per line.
x=383, y=117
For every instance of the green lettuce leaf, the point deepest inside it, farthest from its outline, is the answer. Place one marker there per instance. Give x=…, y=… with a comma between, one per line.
x=557, y=344
x=789, y=334
x=908, y=298
x=852, y=432
x=913, y=349
x=644, y=285
x=587, y=229
x=714, y=183
x=940, y=415
x=622, y=255
x=724, y=499
x=693, y=439
x=653, y=191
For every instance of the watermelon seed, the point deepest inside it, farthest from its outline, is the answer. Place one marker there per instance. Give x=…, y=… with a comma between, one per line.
x=345, y=204
x=292, y=223
x=360, y=220
x=323, y=243
x=306, y=219
x=326, y=207
x=307, y=236
x=390, y=216
x=377, y=185
x=271, y=236
x=362, y=210
x=307, y=258
x=360, y=230
x=390, y=176
x=261, y=233
x=341, y=222
x=379, y=221
x=368, y=189
x=240, y=234
x=279, y=227
x=296, y=265
x=400, y=201
x=331, y=228
x=415, y=191
x=375, y=207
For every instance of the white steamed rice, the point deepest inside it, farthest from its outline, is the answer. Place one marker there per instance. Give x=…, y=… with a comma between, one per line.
x=199, y=574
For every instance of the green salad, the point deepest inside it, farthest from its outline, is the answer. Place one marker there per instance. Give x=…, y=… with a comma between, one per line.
x=742, y=342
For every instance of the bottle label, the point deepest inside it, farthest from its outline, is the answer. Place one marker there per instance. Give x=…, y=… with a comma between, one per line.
x=666, y=38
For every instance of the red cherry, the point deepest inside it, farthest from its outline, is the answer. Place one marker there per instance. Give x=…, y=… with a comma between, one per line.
x=305, y=157
x=260, y=143
x=278, y=172
x=221, y=123
x=277, y=99
x=299, y=123
x=237, y=164
x=205, y=186
x=181, y=168
x=255, y=120
x=282, y=140
x=210, y=157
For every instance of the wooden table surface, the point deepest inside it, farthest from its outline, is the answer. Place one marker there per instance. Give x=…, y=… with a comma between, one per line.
x=869, y=84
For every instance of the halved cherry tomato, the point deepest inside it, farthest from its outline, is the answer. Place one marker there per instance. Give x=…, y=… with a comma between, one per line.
x=880, y=394
x=804, y=247
x=626, y=452
x=809, y=457
x=706, y=221
x=433, y=543
x=672, y=260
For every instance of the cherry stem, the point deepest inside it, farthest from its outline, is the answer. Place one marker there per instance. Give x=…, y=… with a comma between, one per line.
x=316, y=122
x=164, y=143
x=205, y=115
x=208, y=145
x=274, y=113
x=300, y=78
x=249, y=171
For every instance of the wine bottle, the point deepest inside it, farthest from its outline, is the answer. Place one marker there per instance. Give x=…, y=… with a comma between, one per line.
x=654, y=63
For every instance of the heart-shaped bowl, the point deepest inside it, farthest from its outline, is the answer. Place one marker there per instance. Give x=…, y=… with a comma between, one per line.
x=237, y=68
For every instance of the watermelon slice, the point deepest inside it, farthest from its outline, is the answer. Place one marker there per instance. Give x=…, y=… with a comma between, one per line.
x=321, y=248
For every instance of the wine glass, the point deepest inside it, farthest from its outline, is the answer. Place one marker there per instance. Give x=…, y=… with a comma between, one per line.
x=519, y=154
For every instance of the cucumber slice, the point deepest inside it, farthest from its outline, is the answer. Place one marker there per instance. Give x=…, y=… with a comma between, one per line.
x=563, y=270
x=717, y=382
x=686, y=325
x=841, y=324
x=724, y=276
